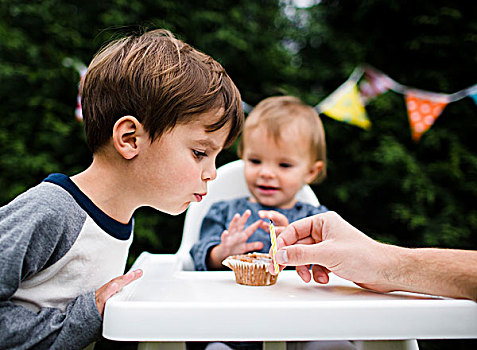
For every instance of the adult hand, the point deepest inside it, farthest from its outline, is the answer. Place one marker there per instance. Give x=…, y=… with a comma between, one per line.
x=280, y=221
x=331, y=244
x=112, y=287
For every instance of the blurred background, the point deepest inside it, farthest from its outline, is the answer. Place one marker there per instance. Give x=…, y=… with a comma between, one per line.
x=396, y=189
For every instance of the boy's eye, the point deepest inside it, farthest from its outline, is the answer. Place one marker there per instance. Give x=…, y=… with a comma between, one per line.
x=285, y=165
x=199, y=154
x=254, y=161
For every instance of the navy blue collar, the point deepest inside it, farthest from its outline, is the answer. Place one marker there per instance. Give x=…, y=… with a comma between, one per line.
x=107, y=223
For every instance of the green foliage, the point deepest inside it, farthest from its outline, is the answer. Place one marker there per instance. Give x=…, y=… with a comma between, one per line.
x=38, y=92
x=398, y=191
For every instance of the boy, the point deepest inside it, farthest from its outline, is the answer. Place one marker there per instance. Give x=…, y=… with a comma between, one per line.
x=156, y=112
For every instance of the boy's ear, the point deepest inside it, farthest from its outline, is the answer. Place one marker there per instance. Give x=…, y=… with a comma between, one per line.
x=313, y=171
x=126, y=132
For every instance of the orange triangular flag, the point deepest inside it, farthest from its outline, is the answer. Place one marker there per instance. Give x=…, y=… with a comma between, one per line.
x=423, y=110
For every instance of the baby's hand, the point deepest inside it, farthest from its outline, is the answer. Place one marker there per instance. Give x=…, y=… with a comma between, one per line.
x=279, y=220
x=234, y=240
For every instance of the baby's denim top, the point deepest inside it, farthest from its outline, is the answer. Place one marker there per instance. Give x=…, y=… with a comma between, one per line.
x=221, y=213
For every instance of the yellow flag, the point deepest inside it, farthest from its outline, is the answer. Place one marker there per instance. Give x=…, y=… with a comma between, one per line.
x=346, y=106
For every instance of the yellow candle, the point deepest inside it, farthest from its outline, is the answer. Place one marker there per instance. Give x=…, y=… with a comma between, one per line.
x=273, y=238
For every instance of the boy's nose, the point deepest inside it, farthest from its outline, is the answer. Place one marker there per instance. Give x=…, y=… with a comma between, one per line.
x=209, y=173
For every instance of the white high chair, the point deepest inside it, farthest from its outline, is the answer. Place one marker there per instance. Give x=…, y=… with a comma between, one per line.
x=230, y=183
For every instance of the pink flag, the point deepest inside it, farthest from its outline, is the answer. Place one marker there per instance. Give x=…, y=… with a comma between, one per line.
x=374, y=83
x=78, y=111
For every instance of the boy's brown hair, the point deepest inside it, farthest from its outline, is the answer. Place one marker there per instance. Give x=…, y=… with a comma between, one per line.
x=278, y=111
x=159, y=80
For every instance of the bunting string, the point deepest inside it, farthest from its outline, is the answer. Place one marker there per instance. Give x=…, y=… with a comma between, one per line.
x=347, y=103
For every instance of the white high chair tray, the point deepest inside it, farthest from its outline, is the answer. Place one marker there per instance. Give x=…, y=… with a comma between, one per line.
x=170, y=305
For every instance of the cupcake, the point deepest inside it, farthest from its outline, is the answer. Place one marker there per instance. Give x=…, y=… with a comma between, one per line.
x=251, y=269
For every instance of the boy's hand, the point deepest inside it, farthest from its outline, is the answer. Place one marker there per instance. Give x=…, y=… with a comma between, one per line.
x=279, y=220
x=112, y=287
x=234, y=240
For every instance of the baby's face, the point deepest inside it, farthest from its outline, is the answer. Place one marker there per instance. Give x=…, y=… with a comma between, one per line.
x=276, y=170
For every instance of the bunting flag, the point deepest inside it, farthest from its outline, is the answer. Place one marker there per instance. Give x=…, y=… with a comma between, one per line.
x=78, y=110
x=474, y=97
x=423, y=110
x=246, y=107
x=81, y=69
x=472, y=93
x=423, y=107
x=374, y=83
x=345, y=104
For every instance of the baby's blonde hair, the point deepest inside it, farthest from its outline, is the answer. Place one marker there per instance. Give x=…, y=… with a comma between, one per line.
x=279, y=111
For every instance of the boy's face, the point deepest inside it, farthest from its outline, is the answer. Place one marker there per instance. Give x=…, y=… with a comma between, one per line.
x=177, y=166
x=275, y=170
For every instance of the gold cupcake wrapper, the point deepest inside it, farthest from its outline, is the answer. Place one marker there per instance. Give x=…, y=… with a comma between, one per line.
x=250, y=273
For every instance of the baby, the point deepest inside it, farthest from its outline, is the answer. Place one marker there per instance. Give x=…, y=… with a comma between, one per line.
x=283, y=148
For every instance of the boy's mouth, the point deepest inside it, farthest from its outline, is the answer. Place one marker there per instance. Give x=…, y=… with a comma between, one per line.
x=199, y=196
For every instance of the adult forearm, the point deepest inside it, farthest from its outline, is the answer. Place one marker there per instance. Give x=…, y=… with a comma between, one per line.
x=445, y=272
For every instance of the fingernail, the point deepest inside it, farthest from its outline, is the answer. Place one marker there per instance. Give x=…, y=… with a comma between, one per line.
x=282, y=256
x=322, y=279
x=133, y=273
